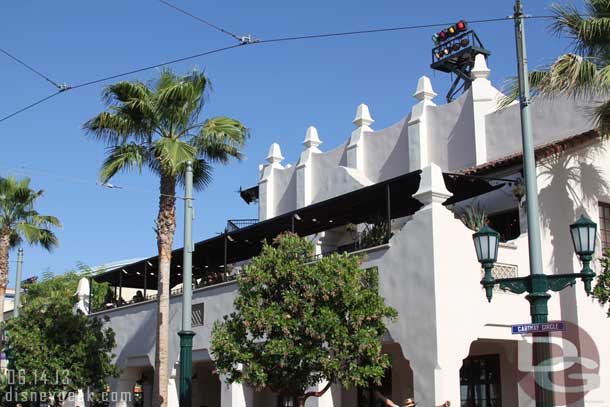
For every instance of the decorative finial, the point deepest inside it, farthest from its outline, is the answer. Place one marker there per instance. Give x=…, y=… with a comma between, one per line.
x=275, y=154
x=312, y=140
x=424, y=89
x=480, y=68
x=363, y=117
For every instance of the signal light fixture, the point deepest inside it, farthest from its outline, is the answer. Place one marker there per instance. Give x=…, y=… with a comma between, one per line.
x=455, y=29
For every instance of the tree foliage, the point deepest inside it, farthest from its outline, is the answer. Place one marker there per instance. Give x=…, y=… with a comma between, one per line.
x=583, y=72
x=20, y=222
x=55, y=351
x=601, y=292
x=298, y=323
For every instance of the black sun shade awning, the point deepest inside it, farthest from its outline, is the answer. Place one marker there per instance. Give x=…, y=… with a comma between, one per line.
x=364, y=205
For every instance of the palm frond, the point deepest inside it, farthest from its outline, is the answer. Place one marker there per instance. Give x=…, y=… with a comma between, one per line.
x=221, y=138
x=125, y=91
x=202, y=174
x=172, y=153
x=511, y=91
x=589, y=33
x=111, y=128
x=14, y=240
x=126, y=157
x=45, y=220
x=601, y=113
x=179, y=99
x=35, y=235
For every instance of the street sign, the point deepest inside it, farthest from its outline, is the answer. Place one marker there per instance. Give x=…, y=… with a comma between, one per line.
x=522, y=329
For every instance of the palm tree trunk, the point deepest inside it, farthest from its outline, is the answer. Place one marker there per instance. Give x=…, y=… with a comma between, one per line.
x=166, y=226
x=4, y=249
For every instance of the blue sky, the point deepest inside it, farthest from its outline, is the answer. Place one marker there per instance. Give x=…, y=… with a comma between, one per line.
x=277, y=90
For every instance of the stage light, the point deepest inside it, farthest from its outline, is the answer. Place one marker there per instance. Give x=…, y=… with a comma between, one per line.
x=442, y=35
x=464, y=42
x=435, y=38
x=438, y=55
x=461, y=25
x=446, y=51
x=455, y=46
x=451, y=30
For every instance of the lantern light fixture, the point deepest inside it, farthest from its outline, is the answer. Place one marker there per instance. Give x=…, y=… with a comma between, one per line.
x=583, y=233
x=486, y=242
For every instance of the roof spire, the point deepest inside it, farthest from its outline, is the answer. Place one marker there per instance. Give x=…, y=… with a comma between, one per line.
x=480, y=68
x=424, y=89
x=275, y=154
x=312, y=141
x=363, y=117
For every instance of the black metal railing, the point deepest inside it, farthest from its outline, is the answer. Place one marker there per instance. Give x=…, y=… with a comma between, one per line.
x=370, y=235
x=235, y=224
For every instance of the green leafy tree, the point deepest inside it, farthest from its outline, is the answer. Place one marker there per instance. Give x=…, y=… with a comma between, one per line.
x=19, y=222
x=298, y=323
x=54, y=350
x=585, y=71
x=157, y=126
x=602, y=287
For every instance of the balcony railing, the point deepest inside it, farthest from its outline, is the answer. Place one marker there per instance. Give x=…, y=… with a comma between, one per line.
x=354, y=238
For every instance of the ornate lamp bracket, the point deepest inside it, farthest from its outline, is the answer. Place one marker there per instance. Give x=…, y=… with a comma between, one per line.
x=516, y=285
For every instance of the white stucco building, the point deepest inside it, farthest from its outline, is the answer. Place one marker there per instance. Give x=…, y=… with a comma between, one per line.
x=448, y=343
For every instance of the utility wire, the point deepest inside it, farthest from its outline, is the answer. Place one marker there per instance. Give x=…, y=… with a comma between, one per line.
x=14, y=58
x=173, y=61
x=209, y=24
x=23, y=109
x=250, y=41
x=27, y=171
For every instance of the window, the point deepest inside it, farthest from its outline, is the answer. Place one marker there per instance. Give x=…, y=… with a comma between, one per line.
x=197, y=314
x=604, y=225
x=480, y=382
x=366, y=395
x=506, y=224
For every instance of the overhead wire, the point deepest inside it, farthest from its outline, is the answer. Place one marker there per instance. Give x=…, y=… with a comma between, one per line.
x=28, y=171
x=206, y=22
x=31, y=105
x=250, y=41
x=29, y=67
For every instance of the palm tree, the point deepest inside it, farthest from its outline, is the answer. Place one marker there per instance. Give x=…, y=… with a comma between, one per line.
x=585, y=71
x=19, y=222
x=157, y=126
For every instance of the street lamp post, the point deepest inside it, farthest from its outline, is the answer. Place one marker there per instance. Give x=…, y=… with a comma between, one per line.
x=537, y=284
x=186, y=334
x=486, y=241
x=18, y=283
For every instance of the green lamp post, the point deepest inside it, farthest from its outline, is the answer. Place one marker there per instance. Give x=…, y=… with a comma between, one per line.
x=538, y=285
x=186, y=334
